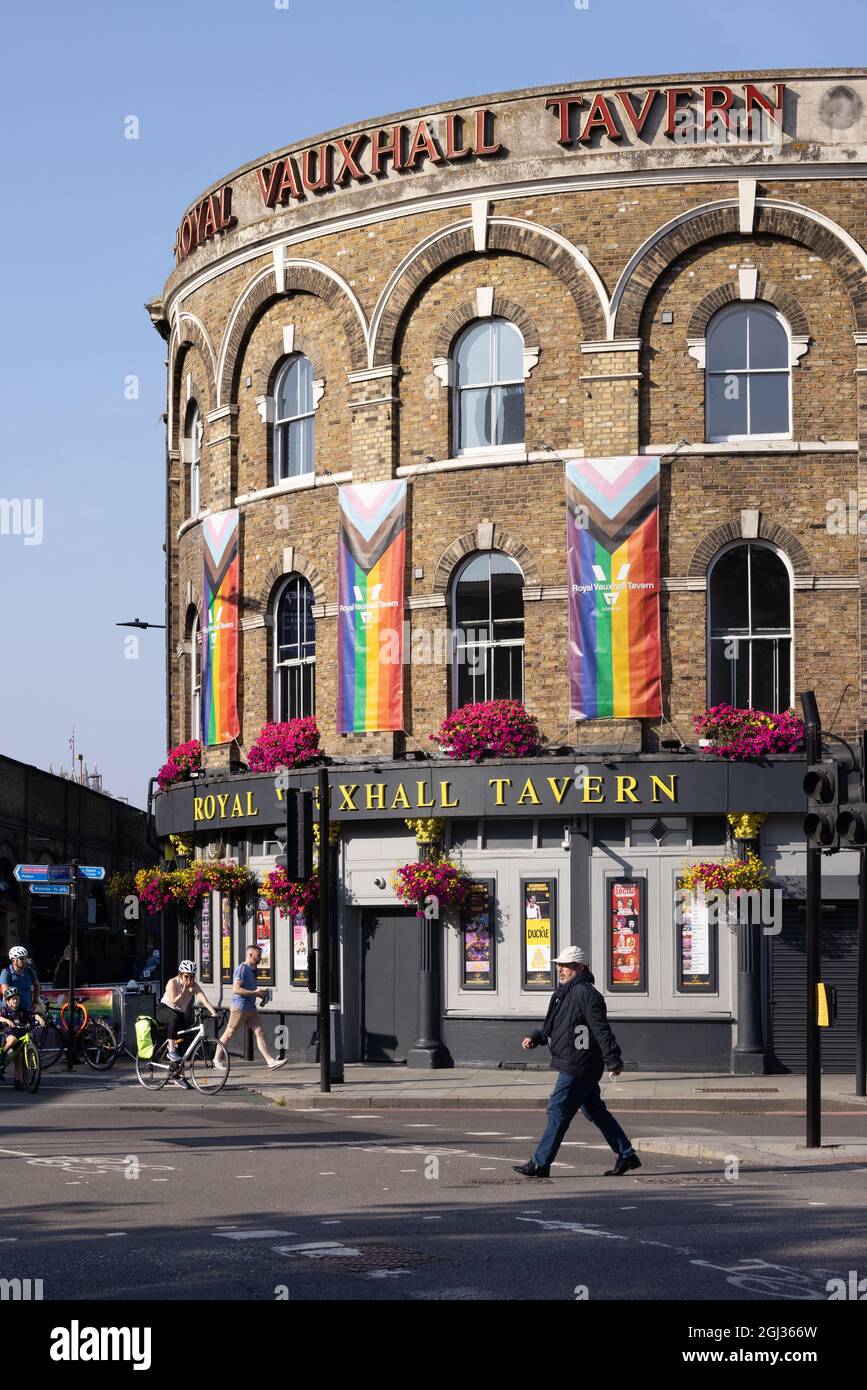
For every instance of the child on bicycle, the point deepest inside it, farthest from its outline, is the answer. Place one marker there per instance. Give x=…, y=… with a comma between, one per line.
x=14, y=1021
x=175, y=1007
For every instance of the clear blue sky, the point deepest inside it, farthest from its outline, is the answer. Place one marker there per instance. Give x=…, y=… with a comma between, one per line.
x=88, y=219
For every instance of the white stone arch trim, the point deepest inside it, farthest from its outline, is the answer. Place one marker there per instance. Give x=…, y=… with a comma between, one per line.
x=799, y=209
x=465, y=225
x=278, y=275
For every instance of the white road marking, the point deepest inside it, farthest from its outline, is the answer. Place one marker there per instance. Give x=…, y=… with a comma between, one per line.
x=485, y=1133
x=16, y=1153
x=328, y=1175
x=578, y=1227
x=159, y=1179
x=7, y=1240
x=332, y=1221
x=421, y=1126
x=633, y=1208
x=386, y=1273
x=424, y=1218
x=409, y=1170
x=817, y=1204
x=232, y=1233
x=317, y=1249
x=487, y=1170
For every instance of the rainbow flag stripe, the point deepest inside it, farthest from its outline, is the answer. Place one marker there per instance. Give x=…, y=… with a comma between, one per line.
x=220, y=723
x=371, y=559
x=612, y=544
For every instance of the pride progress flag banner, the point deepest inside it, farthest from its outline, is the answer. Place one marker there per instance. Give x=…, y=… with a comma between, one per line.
x=371, y=557
x=612, y=545
x=220, y=721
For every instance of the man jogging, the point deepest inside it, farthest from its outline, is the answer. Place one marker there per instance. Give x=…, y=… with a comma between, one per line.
x=582, y=1045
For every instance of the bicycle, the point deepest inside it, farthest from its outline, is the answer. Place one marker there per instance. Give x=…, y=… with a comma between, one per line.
x=207, y=1058
x=94, y=1039
x=31, y=1064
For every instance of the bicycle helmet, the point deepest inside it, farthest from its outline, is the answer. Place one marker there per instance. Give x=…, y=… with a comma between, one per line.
x=187, y=967
x=19, y=953
x=12, y=991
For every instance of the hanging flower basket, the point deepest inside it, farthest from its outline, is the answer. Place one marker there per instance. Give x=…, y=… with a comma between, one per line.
x=726, y=875
x=292, y=744
x=159, y=888
x=120, y=885
x=727, y=732
x=279, y=891
x=181, y=763
x=440, y=879
x=498, y=728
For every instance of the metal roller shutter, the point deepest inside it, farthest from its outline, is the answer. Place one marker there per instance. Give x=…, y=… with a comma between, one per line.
x=788, y=1051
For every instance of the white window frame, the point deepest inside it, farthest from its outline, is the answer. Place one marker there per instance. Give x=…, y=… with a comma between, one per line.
x=749, y=637
x=195, y=680
x=729, y=311
x=458, y=389
x=193, y=456
x=280, y=421
x=281, y=715
x=488, y=643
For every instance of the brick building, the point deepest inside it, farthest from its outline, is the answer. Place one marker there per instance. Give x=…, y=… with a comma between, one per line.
x=466, y=297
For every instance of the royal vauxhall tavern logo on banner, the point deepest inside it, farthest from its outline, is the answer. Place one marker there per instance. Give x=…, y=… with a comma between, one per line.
x=220, y=628
x=612, y=542
x=371, y=555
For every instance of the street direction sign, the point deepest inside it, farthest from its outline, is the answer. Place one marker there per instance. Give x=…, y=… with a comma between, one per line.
x=31, y=873
x=60, y=873
x=53, y=888
x=90, y=871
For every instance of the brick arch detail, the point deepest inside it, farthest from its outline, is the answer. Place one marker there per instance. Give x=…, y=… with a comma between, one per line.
x=535, y=246
x=770, y=293
x=262, y=293
x=466, y=313
x=771, y=219
x=302, y=347
x=468, y=544
x=772, y=531
x=301, y=564
x=190, y=335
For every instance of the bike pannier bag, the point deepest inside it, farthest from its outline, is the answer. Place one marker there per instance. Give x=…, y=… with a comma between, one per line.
x=144, y=1034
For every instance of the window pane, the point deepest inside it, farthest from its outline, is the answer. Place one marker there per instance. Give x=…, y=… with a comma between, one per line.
x=304, y=376
x=475, y=419
x=551, y=833
x=728, y=593
x=287, y=624
x=507, y=588
x=769, y=403
x=508, y=352
x=770, y=591
x=729, y=672
x=768, y=343
x=508, y=673
x=611, y=830
x=472, y=674
x=286, y=404
x=472, y=597
x=508, y=833
x=508, y=405
x=474, y=356
x=726, y=405
x=727, y=341
x=465, y=833
x=766, y=694
x=194, y=489
x=708, y=830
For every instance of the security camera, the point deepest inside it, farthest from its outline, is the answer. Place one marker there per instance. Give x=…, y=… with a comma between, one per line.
x=379, y=881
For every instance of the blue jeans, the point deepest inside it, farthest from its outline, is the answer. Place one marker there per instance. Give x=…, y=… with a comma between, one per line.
x=571, y=1094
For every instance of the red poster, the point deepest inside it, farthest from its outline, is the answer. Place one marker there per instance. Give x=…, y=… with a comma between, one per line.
x=626, y=968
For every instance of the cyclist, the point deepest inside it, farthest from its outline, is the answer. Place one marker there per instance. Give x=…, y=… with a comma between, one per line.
x=175, y=1008
x=20, y=973
x=14, y=1021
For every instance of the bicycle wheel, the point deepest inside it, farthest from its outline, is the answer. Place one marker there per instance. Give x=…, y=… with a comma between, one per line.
x=49, y=1040
x=209, y=1068
x=153, y=1071
x=99, y=1045
x=31, y=1067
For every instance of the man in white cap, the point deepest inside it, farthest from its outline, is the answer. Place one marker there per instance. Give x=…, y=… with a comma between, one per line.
x=582, y=1045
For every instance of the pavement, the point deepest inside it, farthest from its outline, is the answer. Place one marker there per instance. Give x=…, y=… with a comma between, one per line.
x=366, y=1089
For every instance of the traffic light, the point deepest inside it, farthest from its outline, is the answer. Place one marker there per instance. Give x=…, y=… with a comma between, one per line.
x=852, y=825
x=823, y=785
x=826, y=1006
x=298, y=858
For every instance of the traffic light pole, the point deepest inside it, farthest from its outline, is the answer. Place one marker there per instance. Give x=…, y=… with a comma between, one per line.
x=813, y=745
x=861, y=1025
x=71, y=1034
x=323, y=963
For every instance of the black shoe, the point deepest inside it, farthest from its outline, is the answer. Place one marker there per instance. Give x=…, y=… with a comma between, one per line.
x=529, y=1170
x=623, y=1165
x=19, y=1085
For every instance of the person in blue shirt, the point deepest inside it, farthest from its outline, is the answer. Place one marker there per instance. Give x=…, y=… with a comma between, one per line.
x=20, y=973
x=243, y=1013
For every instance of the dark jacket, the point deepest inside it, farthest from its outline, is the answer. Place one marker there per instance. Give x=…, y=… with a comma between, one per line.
x=574, y=1006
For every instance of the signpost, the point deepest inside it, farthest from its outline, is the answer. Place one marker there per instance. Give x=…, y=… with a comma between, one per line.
x=53, y=888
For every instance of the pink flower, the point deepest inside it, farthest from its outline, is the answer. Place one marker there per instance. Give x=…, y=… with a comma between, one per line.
x=183, y=760
x=501, y=727
x=292, y=744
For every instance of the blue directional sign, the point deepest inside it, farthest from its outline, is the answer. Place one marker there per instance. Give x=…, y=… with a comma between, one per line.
x=31, y=873
x=90, y=871
x=53, y=888
x=60, y=873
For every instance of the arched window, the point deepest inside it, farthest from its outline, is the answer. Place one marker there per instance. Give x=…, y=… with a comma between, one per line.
x=294, y=651
x=193, y=457
x=489, y=386
x=750, y=629
x=748, y=377
x=293, y=419
x=195, y=730
x=488, y=622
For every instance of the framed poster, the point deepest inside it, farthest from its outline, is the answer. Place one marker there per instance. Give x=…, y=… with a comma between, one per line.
x=300, y=948
x=265, y=968
x=697, y=948
x=206, y=943
x=626, y=937
x=478, y=942
x=539, y=936
x=225, y=938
